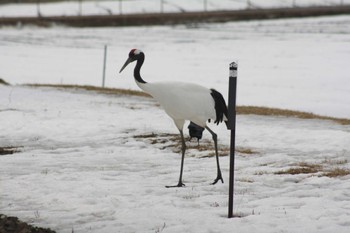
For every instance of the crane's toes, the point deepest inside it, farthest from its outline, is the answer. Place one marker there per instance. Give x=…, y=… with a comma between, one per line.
x=217, y=179
x=179, y=185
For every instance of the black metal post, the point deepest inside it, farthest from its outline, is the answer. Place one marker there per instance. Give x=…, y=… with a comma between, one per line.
x=232, y=126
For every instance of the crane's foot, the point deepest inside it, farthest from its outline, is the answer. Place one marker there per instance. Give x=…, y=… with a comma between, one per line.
x=219, y=177
x=179, y=185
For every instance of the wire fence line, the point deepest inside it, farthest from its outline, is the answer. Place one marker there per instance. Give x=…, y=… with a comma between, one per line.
x=114, y=7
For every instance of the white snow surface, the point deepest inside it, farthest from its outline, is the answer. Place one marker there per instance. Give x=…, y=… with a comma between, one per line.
x=80, y=169
x=299, y=64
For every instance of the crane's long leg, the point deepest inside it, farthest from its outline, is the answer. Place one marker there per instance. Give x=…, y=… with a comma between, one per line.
x=183, y=149
x=215, y=138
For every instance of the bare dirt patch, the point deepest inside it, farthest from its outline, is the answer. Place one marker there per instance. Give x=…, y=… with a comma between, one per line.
x=14, y=225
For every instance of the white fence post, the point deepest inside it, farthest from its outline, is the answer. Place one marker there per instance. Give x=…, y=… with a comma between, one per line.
x=104, y=66
x=120, y=7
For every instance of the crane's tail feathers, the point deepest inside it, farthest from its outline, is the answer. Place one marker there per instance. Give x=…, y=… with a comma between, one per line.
x=220, y=106
x=195, y=131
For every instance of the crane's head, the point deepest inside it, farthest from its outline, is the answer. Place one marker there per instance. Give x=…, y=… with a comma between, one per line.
x=134, y=55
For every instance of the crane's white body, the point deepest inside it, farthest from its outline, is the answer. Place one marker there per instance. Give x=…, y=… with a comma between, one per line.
x=183, y=101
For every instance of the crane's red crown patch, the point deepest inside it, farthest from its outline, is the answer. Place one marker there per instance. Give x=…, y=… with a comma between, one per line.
x=134, y=52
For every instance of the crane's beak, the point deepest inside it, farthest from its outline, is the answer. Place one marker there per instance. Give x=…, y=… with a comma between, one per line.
x=125, y=64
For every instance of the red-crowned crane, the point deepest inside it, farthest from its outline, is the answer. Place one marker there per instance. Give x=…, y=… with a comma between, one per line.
x=183, y=101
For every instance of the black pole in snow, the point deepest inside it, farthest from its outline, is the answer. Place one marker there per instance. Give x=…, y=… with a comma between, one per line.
x=232, y=126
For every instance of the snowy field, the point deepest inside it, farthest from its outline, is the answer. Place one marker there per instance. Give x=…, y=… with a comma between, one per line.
x=299, y=64
x=87, y=162
x=89, y=7
x=85, y=166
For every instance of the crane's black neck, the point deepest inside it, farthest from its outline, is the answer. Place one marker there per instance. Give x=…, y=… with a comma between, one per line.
x=140, y=60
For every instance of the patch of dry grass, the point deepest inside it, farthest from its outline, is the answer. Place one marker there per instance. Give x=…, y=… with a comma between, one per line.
x=246, y=151
x=298, y=170
x=301, y=168
x=204, y=149
x=324, y=169
x=3, y=82
x=336, y=172
x=244, y=110
x=8, y=150
x=173, y=142
x=264, y=111
x=101, y=90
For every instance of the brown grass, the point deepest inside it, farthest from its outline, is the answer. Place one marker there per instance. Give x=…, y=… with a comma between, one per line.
x=173, y=142
x=336, y=172
x=243, y=110
x=205, y=146
x=8, y=150
x=101, y=90
x=264, y=111
x=3, y=82
x=301, y=168
x=298, y=170
x=247, y=151
x=322, y=168
x=204, y=149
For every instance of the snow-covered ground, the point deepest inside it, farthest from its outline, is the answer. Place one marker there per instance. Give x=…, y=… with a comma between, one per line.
x=81, y=168
x=88, y=7
x=300, y=64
